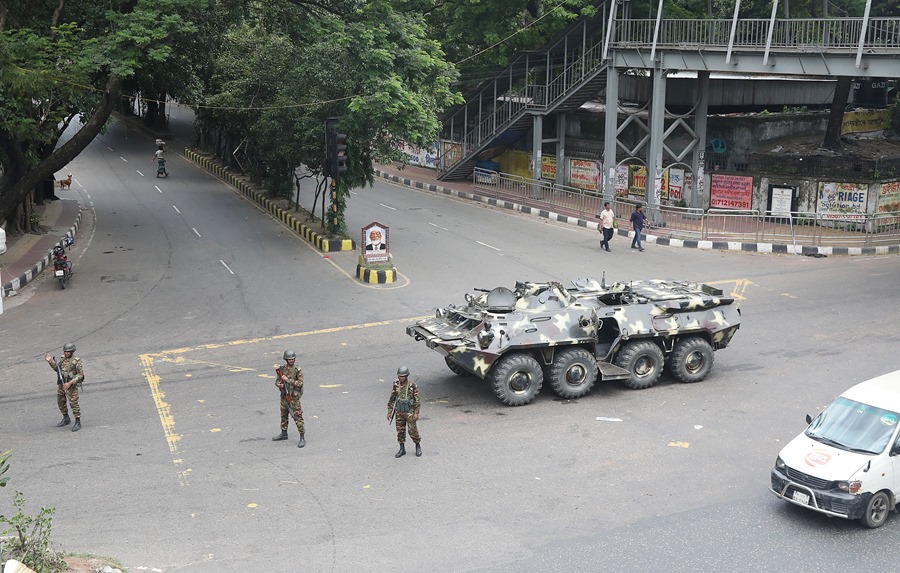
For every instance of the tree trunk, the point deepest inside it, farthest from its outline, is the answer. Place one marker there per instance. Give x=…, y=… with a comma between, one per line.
x=14, y=192
x=838, y=104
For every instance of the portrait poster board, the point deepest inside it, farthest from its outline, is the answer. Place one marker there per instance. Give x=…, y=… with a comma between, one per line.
x=375, y=243
x=548, y=167
x=731, y=192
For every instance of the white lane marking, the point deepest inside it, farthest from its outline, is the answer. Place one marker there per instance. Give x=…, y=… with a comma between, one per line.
x=486, y=245
x=195, y=232
x=157, y=188
x=438, y=226
x=226, y=266
x=387, y=207
x=176, y=209
x=110, y=148
x=139, y=172
x=123, y=159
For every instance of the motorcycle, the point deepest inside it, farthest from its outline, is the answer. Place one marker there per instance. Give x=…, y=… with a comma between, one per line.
x=62, y=266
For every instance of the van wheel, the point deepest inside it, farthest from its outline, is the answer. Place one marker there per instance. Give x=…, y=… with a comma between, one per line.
x=573, y=373
x=876, y=510
x=644, y=360
x=516, y=379
x=691, y=360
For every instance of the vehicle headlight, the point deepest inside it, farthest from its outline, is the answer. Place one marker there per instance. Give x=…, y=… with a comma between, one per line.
x=779, y=463
x=485, y=337
x=850, y=486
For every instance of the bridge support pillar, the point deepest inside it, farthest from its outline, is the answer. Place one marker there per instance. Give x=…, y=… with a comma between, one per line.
x=561, y=149
x=611, y=125
x=537, y=142
x=698, y=159
x=657, y=136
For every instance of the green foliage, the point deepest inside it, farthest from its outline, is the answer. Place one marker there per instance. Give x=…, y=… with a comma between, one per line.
x=4, y=467
x=893, y=121
x=30, y=539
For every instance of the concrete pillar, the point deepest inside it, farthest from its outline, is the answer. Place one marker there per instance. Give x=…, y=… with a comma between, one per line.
x=537, y=141
x=611, y=125
x=654, y=154
x=561, y=149
x=698, y=161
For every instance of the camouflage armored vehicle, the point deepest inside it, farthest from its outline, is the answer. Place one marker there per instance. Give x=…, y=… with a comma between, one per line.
x=630, y=331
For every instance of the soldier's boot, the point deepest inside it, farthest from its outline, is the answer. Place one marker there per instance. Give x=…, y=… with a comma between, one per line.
x=402, y=451
x=302, y=441
x=64, y=422
x=281, y=436
x=77, y=425
x=418, y=450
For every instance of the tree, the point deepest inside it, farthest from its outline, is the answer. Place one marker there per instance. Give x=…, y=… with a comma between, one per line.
x=276, y=79
x=59, y=75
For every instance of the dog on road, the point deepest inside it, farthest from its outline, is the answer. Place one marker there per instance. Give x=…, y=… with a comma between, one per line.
x=66, y=183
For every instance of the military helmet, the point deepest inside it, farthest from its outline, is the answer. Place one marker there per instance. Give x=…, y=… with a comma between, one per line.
x=290, y=355
x=69, y=347
x=403, y=371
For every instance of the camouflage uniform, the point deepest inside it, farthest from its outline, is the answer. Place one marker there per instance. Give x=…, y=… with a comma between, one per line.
x=294, y=390
x=72, y=371
x=406, y=397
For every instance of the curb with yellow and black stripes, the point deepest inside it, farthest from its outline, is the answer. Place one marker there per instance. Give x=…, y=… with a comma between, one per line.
x=213, y=166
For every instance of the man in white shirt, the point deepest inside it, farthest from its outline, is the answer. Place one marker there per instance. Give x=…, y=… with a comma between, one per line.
x=607, y=223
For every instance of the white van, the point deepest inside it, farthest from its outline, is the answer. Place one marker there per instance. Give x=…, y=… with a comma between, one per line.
x=847, y=462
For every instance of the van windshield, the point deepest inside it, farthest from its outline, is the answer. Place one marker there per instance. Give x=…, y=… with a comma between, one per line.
x=854, y=426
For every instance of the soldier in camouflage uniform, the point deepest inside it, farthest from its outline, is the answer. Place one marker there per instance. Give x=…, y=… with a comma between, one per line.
x=405, y=397
x=72, y=373
x=290, y=381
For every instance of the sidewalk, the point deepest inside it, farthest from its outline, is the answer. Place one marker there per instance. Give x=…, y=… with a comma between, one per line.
x=27, y=255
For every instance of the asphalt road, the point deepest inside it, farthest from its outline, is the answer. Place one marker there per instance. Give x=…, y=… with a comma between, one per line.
x=186, y=295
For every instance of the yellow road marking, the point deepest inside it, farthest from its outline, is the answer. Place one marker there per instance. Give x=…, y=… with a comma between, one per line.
x=679, y=445
x=330, y=385
x=164, y=410
x=740, y=287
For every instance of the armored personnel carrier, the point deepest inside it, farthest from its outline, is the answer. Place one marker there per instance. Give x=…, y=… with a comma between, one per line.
x=629, y=331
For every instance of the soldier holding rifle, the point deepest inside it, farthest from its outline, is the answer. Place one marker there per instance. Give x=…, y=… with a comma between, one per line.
x=289, y=379
x=69, y=375
x=404, y=403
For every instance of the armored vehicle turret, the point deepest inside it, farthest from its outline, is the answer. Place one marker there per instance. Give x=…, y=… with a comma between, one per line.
x=630, y=331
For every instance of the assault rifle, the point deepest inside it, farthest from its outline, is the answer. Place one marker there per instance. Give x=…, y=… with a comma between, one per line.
x=59, y=376
x=285, y=394
x=394, y=409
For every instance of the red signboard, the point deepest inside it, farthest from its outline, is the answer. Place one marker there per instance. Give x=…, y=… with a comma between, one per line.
x=731, y=192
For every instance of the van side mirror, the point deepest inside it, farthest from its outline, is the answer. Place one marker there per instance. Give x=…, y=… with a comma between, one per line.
x=808, y=419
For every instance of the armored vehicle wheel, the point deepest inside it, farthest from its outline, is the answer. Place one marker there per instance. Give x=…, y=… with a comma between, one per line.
x=516, y=379
x=876, y=510
x=645, y=362
x=573, y=373
x=691, y=360
x=456, y=368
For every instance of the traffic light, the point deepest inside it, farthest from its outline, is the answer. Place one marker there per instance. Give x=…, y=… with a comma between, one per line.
x=335, y=150
x=340, y=155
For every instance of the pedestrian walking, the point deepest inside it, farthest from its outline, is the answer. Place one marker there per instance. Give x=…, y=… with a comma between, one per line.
x=289, y=379
x=404, y=404
x=607, y=225
x=638, y=220
x=69, y=375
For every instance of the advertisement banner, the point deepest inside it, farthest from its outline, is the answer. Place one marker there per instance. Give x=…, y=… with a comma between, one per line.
x=888, y=201
x=548, y=168
x=452, y=153
x=584, y=174
x=842, y=200
x=637, y=184
x=863, y=121
x=421, y=156
x=675, y=183
x=731, y=192
x=621, y=180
